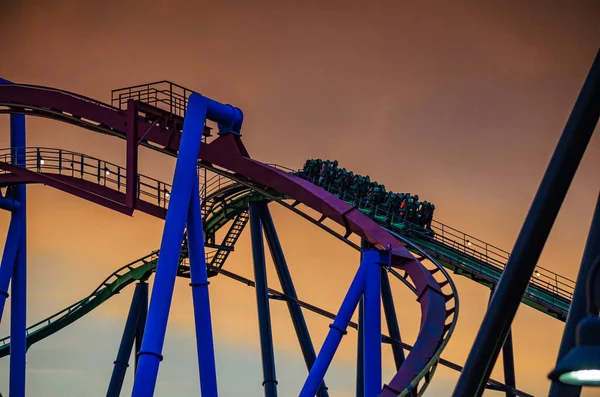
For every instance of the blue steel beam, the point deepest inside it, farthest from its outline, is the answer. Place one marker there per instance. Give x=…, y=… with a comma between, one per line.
x=508, y=359
x=9, y=256
x=372, y=320
x=360, y=379
x=391, y=319
x=262, y=301
x=285, y=279
x=18, y=325
x=199, y=283
x=199, y=109
x=122, y=361
x=139, y=333
x=532, y=238
x=9, y=204
x=360, y=359
x=336, y=331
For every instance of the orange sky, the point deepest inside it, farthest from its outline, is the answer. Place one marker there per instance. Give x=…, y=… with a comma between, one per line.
x=462, y=104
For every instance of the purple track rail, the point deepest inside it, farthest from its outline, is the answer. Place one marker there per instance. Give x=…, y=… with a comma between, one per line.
x=229, y=153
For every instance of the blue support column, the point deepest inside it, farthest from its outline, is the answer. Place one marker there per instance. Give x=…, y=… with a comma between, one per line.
x=168, y=261
x=262, y=301
x=372, y=321
x=200, y=296
x=9, y=255
x=360, y=359
x=122, y=361
x=336, y=332
x=139, y=333
x=8, y=204
x=391, y=319
x=285, y=279
x=18, y=340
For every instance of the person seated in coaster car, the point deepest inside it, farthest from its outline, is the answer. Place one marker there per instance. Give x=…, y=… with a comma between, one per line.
x=338, y=181
x=345, y=182
x=429, y=217
x=362, y=191
x=323, y=172
x=403, y=211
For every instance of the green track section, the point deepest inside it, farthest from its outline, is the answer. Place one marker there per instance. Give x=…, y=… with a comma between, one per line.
x=537, y=297
x=138, y=270
x=234, y=206
x=134, y=271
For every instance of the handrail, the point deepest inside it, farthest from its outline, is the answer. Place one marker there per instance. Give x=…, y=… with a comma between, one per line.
x=155, y=191
x=69, y=93
x=460, y=241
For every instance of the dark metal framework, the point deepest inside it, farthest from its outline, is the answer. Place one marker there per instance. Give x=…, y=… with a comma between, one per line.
x=536, y=228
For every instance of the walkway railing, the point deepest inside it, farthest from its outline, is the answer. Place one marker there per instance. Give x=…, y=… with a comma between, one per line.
x=450, y=237
x=161, y=94
x=91, y=169
x=77, y=165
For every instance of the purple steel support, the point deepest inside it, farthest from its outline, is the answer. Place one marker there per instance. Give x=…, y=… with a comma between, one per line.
x=336, y=332
x=372, y=321
x=8, y=260
x=131, y=193
x=199, y=283
x=18, y=325
x=530, y=242
x=168, y=261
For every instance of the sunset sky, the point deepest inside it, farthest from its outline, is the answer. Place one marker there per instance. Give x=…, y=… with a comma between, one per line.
x=459, y=102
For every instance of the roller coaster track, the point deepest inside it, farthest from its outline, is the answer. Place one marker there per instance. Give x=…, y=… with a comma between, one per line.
x=463, y=254
x=225, y=200
x=229, y=202
x=216, y=215
x=227, y=157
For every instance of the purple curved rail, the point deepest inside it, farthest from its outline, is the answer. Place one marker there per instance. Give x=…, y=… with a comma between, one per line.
x=229, y=153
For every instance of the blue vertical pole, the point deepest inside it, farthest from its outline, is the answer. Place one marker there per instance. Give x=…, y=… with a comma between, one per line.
x=199, y=283
x=372, y=321
x=360, y=368
x=391, y=319
x=18, y=339
x=285, y=279
x=168, y=261
x=360, y=359
x=122, y=361
x=336, y=331
x=262, y=301
x=139, y=333
x=9, y=255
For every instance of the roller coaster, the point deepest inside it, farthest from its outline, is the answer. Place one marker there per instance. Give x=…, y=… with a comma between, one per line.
x=229, y=190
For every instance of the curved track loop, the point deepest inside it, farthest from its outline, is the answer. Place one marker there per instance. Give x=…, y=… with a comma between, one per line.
x=227, y=200
x=229, y=153
x=231, y=193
